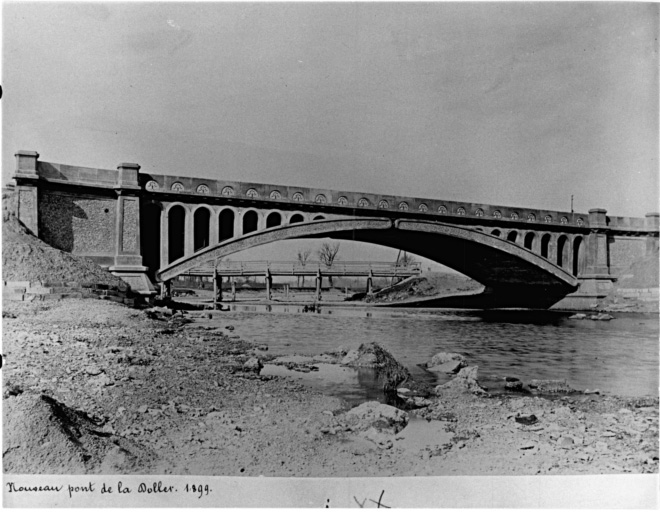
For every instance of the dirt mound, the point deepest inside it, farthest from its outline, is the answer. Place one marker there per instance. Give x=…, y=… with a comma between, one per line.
x=643, y=273
x=44, y=436
x=426, y=285
x=26, y=258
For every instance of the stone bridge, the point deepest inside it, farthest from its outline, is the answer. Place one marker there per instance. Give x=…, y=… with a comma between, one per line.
x=149, y=227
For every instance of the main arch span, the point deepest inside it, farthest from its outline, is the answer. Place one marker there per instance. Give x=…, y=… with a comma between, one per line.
x=512, y=275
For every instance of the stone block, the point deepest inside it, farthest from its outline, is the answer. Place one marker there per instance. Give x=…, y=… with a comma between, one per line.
x=13, y=296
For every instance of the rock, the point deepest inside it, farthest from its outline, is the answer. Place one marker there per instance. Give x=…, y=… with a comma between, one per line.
x=465, y=381
x=381, y=440
x=229, y=327
x=403, y=391
x=592, y=392
x=350, y=357
x=578, y=316
x=513, y=383
x=566, y=442
x=445, y=357
x=601, y=316
x=526, y=419
x=371, y=355
x=383, y=418
x=263, y=348
x=551, y=386
x=93, y=370
x=253, y=364
x=448, y=367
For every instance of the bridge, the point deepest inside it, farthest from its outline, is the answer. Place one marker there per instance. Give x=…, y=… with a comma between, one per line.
x=150, y=228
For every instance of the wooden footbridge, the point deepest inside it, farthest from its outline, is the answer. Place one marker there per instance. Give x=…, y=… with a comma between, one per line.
x=268, y=269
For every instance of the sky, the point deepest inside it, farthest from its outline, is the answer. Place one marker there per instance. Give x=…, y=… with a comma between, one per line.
x=520, y=104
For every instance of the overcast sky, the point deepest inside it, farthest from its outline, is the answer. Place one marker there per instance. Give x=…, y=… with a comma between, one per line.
x=511, y=103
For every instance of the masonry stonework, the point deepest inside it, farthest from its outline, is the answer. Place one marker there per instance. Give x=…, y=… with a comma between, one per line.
x=83, y=225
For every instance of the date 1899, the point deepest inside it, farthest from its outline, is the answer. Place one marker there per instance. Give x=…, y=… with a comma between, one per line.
x=200, y=490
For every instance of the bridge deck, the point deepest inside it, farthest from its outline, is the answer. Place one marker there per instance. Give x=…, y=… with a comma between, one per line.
x=311, y=268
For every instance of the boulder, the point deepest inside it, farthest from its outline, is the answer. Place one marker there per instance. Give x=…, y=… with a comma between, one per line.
x=371, y=355
x=383, y=418
x=551, y=386
x=464, y=382
x=253, y=364
x=445, y=357
x=578, y=316
x=513, y=384
x=448, y=367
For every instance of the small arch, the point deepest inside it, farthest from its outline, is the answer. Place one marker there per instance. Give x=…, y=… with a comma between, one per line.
x=531, y=217
x=480, y=229
x=177, y=187
x=227, y=191
x=460, y=211
x=342, y=201
x=496, y=232
x=423, y=208
x=252, y=193
x=512, y=236
x=276, y=195
x=152, y=185
x=529, y=240
x=403, y=206
x=578, y=256
x=545, y=245
x=563, y=220
x=363, y=202
x=298, y=197
x=320, y=199
x=296, y=217
x=479, y=212
x=383, y=205
x=319, y=217
x=203, y=189
x=547, y=219
x=226, y=225
x=497, y=214
x=201, y=219
x=562, y=251
x=250, y=222
x=176, y=229
x=442, y=210
x=273, y=219
x=514, y=216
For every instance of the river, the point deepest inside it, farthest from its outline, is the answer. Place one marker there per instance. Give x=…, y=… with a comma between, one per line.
x=617, y=357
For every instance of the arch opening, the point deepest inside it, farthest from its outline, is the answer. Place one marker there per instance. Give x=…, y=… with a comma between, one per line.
x=562, y=251
x=273, y=219
x=176, y=229
x=226, y=225
x=512, y=236
x=296, y=218
x=201, y=228
x=250, y=222
x=578, y=256
x=496, y=232
x=545, y=245
x=529, y=240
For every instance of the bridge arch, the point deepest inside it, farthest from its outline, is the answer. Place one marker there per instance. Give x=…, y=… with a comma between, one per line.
x=273, y=219
x=502, y=266
x=578, y=255
x=512, y=236
x=563, y=251
x=296, y=217
x=202, y=216
x=529, y=239
x=177, y=216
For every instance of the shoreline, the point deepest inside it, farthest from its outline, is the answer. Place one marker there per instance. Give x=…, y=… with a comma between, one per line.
x=180, y=399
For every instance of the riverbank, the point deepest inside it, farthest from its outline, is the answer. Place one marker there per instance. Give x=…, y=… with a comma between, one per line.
x=96, y=387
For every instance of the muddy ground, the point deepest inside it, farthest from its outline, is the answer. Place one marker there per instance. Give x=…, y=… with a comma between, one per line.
x=96, y=387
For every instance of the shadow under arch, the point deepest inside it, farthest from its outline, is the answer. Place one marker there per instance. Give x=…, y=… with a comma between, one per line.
x=512, y=275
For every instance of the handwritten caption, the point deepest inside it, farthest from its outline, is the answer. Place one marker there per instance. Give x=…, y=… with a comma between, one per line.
x=198, y=490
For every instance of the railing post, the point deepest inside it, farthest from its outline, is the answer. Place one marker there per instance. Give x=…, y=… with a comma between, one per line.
x=370, y=282
x=166, y=289
x=233, y=290
x=217, y=287
x=319, y=281
x=269, y=284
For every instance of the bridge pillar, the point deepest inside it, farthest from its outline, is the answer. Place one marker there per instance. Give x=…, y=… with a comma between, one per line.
x=27, y=200
x=370, y=283
x=596, y=281
x=652, y=224
x=128, y=259
x=319, y=284
x=164, y=238
x=189, y=234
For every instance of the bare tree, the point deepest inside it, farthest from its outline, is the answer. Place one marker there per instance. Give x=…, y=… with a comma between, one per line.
x=327, y=255
x=302, y=257
x=407, y=260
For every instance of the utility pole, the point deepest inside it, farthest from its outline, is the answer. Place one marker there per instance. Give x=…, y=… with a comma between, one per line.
x=571, y=203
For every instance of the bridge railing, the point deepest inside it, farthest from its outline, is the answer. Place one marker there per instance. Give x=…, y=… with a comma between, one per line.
x=283, y=268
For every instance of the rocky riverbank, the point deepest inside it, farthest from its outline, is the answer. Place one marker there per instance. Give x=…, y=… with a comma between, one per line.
x=97, y=387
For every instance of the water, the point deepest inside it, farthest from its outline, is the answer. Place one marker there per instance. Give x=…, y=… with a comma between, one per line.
x=618, y=357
